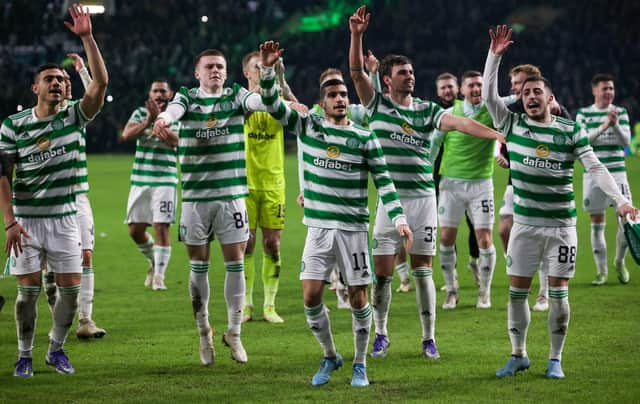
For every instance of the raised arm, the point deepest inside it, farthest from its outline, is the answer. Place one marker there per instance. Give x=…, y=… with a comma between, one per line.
x=592, y=133
x=500, y=41
x=450, y=122
x=358, y=23
x=78, y=64
x=288, y=117
x=93, y=98
x=372, y=65
x=138, y=123
x=287, y=93
x=621, y=127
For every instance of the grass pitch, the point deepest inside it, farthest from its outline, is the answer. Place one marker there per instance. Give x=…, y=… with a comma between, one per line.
x=150, y=353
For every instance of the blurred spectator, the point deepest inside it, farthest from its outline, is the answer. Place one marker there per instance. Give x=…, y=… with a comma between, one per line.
x=148, y=39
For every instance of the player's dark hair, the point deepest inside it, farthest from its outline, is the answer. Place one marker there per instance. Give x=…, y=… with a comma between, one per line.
x=329, y=83
x=600, y=77
x=546, y=82
x=469, y=74
x=44, y=67
x=207, y=52
x=387, y=63
x=162, y=80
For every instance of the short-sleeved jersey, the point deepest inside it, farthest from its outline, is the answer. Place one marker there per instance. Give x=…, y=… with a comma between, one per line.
x=406, y=135
x=336, y=160
x=264, y=143
x=46, y=154
x=608, y=147
x=541, y=165
x=211, y=145
x=155, y=162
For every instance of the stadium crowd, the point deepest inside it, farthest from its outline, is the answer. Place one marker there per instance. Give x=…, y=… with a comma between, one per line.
x=144, y=40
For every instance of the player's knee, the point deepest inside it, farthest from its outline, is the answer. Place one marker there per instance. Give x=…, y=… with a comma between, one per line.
x=66, y=280
x=448, y=235
x=271, y=246
x=251, y=245
x=483, y=236
x=597, y=218
x=358, y=296
x=504, y=230
x=136, y=233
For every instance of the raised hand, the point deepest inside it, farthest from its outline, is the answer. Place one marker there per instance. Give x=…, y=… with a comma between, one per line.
x=153, y=109
x=500, y=39
x=371, y=63
x=359, y=21
x=78, y=63
x=300, y=108
x=81, y=20
x=270, y=52
x=612, y=116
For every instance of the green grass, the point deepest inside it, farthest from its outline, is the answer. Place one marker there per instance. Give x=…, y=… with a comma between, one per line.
x=150, y=353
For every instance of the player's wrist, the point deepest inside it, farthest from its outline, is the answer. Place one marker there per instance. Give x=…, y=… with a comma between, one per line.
x=10, y=225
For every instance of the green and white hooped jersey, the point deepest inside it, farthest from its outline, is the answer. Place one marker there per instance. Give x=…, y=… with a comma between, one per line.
x=406, y=136
x=336, y=163
x=541, y=164
x=211, y=145
x=155, y=162
x=608, y=147
x=46, y=152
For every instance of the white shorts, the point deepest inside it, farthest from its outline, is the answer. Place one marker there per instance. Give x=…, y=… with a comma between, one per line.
x=326, y=248
x=226, y=219
x=56, y=240
x=151, y=205
x=85, y=221
x=550, y=248
x=473, y=196
x=594, y=200
x=421, y=217
x=506, y=209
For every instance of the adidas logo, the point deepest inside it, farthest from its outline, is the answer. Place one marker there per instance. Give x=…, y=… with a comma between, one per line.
x=514, y=331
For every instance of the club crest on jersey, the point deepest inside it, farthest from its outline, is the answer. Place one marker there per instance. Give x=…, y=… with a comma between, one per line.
x=43, y=143
x=57, y=124
x=226, y=106
x=333, y=152
x=212, y=121
x=559, y=140
x=406, y=128
x=353, y=143
x=418, y=121
x=543, y=151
